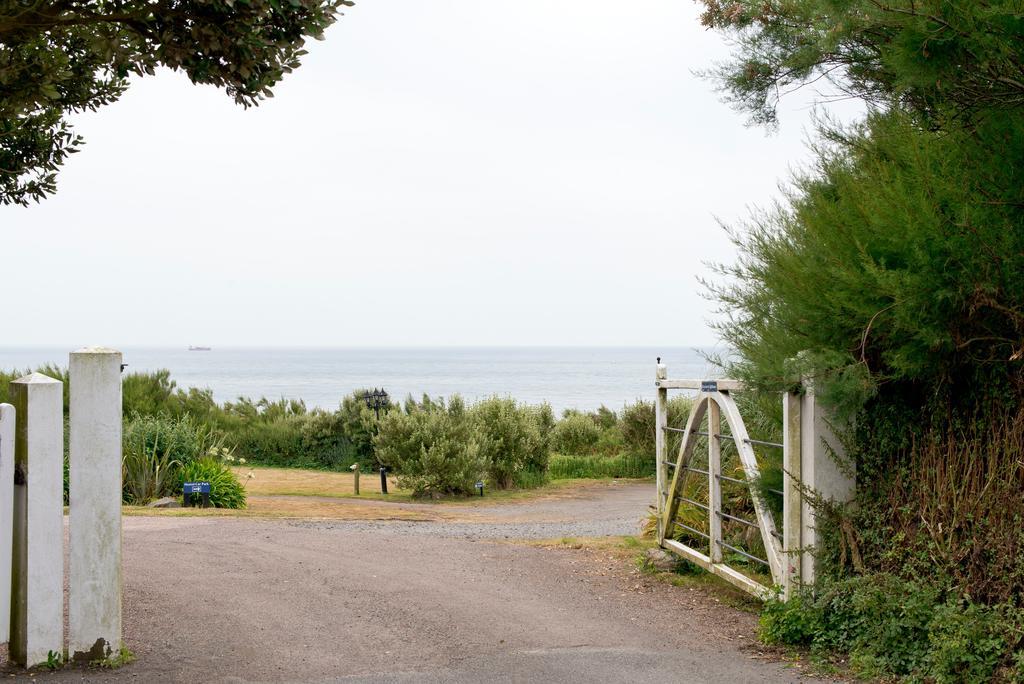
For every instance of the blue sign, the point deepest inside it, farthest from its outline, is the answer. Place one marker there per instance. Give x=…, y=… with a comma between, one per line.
x=708, y=386
x=197, y=487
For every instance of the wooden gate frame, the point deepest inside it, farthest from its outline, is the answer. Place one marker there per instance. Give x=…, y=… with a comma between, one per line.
x=715, y=400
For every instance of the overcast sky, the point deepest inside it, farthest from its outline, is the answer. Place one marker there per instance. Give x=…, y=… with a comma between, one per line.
x=444, y=173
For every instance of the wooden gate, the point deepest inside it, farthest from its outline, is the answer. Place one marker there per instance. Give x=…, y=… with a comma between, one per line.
x=716, y=403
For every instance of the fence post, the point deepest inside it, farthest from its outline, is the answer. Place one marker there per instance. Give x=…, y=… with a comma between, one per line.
x=37, y=584
x=714, y=482
x=824, y=470
x=94, y=596
x=792, y=497
x=7, y=429
x=660, y=444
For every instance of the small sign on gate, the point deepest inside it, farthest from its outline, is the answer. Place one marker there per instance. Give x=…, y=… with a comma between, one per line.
x=201, y=488
x=709, y=386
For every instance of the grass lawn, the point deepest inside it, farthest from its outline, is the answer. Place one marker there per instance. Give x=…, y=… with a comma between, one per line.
x=319, y=483
x=298, y=482
x=297, y=493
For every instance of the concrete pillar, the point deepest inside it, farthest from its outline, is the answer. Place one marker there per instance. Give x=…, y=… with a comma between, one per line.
x=7, y=430
x=37, y=611
x=792, y=506
x=824, y=470
x=94, y=597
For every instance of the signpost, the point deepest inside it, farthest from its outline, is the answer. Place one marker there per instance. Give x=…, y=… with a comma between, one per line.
x=201, y=488
x=480, y=488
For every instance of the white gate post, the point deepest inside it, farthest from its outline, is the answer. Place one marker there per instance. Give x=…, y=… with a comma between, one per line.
x=7, y=429
x=792, y=496
x=37, y=611
x=824, y=470
x=714, y=482
x=660, y=445
x=94, y=597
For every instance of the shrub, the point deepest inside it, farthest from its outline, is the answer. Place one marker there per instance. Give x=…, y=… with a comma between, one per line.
x=154, y=449
x=358, y=424
x=575, y=434
x=509, y=438
x=638, y=424
x=147, y=394
x=147, y=473
x=890, y=626
x=604, y=418
x=225, y=489
x=324, y=442
x=277, y=442
x=434, y=451
x=183, y=439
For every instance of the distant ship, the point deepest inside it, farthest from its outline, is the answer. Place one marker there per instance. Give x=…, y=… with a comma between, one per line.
x=191, y=348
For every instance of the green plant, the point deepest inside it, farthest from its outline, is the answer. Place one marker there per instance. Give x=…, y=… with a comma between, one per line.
x=624, y=465
x=54, y=660
x=155, y=448
x=359, y=424
x=57, y=66
x=434, y=451
x=147, y=473
x=575, y=434
x=114, y=661
x=225, y=489
x=509, y=438
x=531, y=479
x=637, y=422
x=893, y=627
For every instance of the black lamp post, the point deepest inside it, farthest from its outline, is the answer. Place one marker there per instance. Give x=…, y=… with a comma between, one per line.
x=376, y=400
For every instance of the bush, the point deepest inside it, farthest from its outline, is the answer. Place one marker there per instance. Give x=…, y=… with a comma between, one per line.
x=274, y=443
x=576, y=434
x=225, y=489
x=358, y=424
x=154, y=449
x=510, y=439
x=324, y=442
x=638, y=425
x=435, y=451
x=890, y=626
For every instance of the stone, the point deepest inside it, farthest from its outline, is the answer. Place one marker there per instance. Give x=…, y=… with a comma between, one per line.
x=661, y=560
x=166, y=502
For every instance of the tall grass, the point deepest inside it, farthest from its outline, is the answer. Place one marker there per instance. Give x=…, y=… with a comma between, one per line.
x=562, y=467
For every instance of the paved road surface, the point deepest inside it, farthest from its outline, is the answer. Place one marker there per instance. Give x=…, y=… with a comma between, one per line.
x=240, y=600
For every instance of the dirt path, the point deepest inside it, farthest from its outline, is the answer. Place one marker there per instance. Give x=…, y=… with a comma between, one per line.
x=232, y=600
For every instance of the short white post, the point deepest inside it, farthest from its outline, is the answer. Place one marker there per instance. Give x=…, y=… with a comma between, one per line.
x=792, y=497
x=660, y=445
x=94, y=596
x=824, y=470
x=714, y=482
x=7, y=429
x=37, y=610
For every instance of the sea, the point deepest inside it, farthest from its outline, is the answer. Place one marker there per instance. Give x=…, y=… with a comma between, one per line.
x=581, y=378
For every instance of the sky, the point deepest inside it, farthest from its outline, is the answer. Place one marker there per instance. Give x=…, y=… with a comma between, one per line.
x=445, y=173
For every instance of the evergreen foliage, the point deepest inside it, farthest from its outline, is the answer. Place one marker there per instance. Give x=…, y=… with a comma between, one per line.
x=891, y=276
x=939, y=59
x=58, y=57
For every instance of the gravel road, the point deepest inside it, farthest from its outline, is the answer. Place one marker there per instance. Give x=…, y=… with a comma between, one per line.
x=250, y=600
